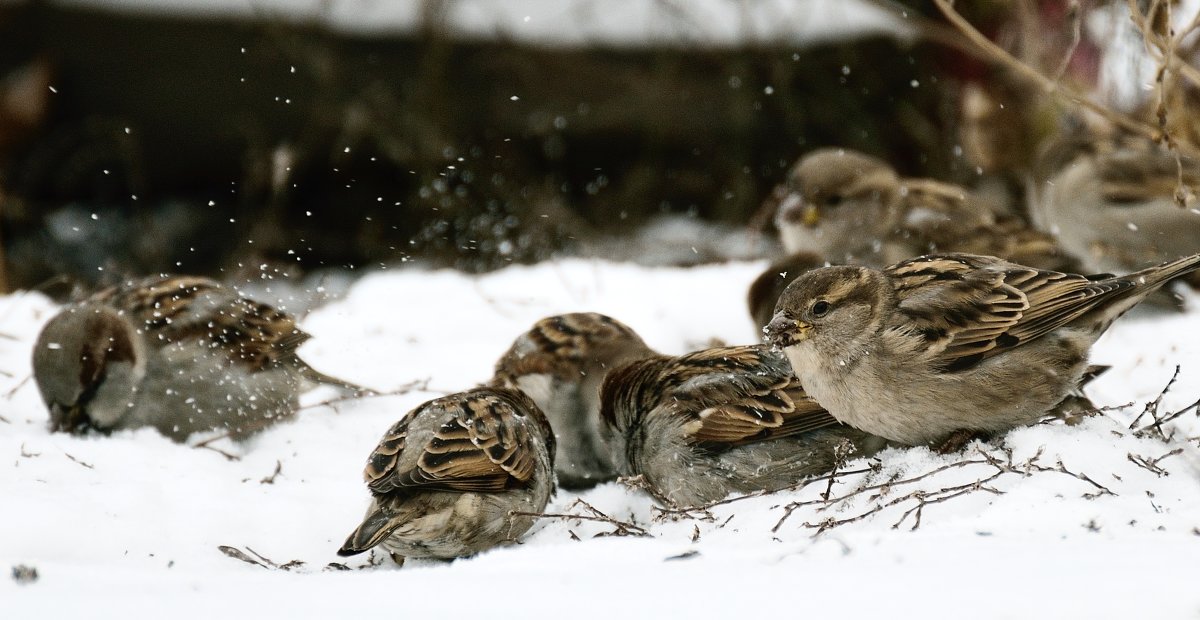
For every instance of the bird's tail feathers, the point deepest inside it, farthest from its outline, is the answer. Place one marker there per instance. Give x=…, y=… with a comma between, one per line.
x=374, y=528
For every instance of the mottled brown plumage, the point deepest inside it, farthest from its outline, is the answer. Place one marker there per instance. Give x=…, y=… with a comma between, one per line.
x=178, y=353
x=1112, y=201
x=944, y=343
x=445, y=478
x=560, y=363
x=726, y=420
x=847, y=207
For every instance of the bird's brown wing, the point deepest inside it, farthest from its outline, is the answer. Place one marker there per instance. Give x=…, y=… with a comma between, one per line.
x=485, y=445
x=971, y=307
x=562, y=345
x=737, y=395
x=178, y=308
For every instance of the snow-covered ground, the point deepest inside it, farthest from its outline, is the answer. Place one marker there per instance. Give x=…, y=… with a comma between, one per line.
x=1087, y=520
x=556, y=23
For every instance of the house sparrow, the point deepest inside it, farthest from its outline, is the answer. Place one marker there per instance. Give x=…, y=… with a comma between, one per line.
x=717, y=421
x=560, y=363
x=1111, y=202
x=853, y=208
x=447, y=477
x=178, y=353
x=943, y=344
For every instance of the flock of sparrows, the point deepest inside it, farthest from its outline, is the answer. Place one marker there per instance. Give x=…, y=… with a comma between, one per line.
x=941, y=319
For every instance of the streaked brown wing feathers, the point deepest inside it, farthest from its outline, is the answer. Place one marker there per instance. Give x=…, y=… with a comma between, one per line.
x=179, y=308
x=739, y=395
x=484, y=447
x=973, y=307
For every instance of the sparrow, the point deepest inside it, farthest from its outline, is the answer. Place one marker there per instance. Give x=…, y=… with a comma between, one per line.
x=560, y=363
x=177, y=353
x=1112, y=202
x=852, y=208
x=701, y=426
x=446, y=479
x=941, y=345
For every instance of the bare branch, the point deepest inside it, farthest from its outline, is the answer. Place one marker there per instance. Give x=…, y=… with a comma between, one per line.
x=1023, y=70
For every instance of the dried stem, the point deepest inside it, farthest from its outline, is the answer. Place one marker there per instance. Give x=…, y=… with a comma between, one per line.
x=1152, y=409
x=689, y=512
x=622, y=528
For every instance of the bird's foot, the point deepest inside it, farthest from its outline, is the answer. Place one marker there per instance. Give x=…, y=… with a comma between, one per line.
x=959, y=440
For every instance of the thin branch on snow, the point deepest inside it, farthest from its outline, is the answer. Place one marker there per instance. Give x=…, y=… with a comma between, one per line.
x=83, y=463
x=1171, y=417
x=416, y=385
x=1151, y=465
x=703, y=511
x=1152, y=409
x=275, y=474
x=258, y=559
x=622, y=528
x=419, y=385
x=1001, y=461
x=227, y=455
x=20, y=384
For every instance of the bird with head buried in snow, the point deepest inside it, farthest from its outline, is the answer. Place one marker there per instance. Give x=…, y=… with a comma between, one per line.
x=700, y=426
x=941, y=345
x=177, y=353
x=561, y=363
x=446, y=479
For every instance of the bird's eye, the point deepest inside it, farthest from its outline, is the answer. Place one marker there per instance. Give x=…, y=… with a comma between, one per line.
x=820, y=308
x=833, y=200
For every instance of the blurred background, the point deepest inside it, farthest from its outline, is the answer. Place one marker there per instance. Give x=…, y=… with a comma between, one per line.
x=238, y=137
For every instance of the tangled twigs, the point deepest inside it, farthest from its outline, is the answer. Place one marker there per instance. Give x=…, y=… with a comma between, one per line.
x=1151, y=465
x=883, y=488
x=639, y=483
x=1152, y=409
x=703, y=511
x=1003, y=58
x=915, y=501
x=621, y=528
x=1195, y=406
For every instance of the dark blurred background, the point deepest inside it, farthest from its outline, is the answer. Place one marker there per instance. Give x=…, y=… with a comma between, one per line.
x=134, y=141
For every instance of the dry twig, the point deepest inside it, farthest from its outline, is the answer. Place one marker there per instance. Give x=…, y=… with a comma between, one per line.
x=621, y=528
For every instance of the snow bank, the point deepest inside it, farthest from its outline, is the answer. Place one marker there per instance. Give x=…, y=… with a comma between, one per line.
x=1085, y=520
x=570, y=23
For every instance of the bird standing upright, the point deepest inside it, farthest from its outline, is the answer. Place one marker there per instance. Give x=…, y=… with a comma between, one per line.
x=943, y=344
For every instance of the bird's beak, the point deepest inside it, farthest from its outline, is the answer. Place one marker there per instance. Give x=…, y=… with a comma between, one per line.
x=784, y=331
x=811, y=216
x=794, y=210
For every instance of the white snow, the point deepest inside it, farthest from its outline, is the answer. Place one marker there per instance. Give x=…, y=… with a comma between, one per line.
x=129, y=525
x=563, y=22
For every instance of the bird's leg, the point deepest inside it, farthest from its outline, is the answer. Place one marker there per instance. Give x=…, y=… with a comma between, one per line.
x=959, y=440
x=398, y=559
